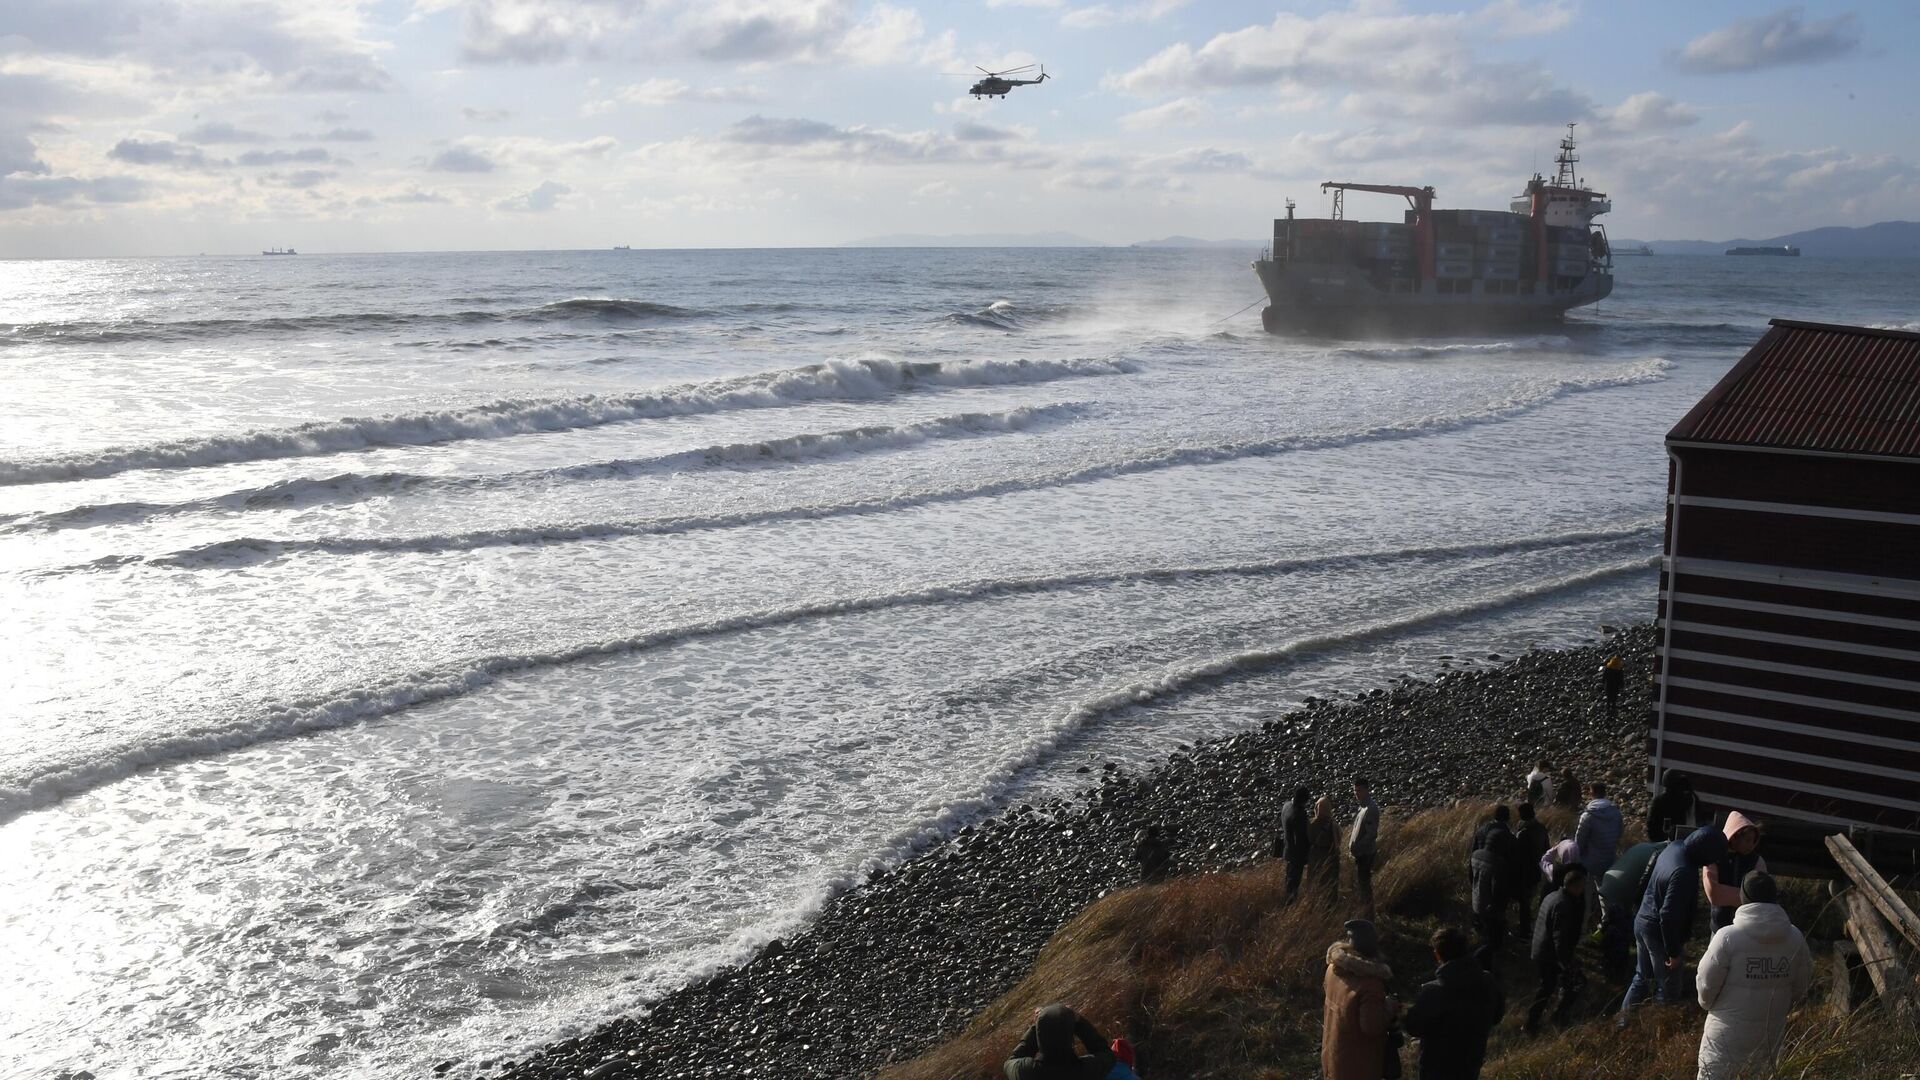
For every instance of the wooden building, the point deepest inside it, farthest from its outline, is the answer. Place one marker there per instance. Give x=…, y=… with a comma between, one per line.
x=1789, y=664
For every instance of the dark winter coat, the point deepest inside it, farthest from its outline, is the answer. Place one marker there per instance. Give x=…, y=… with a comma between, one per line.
x=1451, y=1017
x=1048, y=1050
x=1556, y=929
x=1677, y=805
x=1673, y=895
x=1490, y=867
x=1294, y=842
x=1529, y=844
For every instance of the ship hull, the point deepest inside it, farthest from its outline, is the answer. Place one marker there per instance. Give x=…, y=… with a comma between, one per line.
x=1334, y=298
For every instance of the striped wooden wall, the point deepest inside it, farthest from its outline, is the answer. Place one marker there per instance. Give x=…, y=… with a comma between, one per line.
x=1790, y=634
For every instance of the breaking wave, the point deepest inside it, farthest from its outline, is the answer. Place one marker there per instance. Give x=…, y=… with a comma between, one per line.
x=246, y=550
x=579, y=308
x=355, y=487
x=320, y=713
x=1007, y=315
x=856, y=379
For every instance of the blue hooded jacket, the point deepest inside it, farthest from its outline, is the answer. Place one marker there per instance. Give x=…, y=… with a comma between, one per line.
x=1674, y=891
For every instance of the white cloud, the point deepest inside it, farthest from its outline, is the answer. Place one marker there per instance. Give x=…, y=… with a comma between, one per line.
x=461, y=159
x=1184, y=112
x=1648, y=111
x=747, y=32
x=1770, y=41
x=1420, y=67
x=657, y=91
x=1095, y=16
x=219, y=131
x=1519, y=18
x=546, y=196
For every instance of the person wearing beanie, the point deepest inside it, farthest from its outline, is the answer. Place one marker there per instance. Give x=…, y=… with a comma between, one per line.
x=1353, y=1038
x=1048, y=1049
x=1752, y=974
x=1721, y=881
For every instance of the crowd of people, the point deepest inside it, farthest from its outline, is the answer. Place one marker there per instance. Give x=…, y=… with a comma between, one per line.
x=1641, y=899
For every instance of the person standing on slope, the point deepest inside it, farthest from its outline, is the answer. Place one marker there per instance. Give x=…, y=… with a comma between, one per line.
x=1529, y=844
x=1489, y=872
x=1353, y=1035
x=1363, y=842
x=1675, y=807
x=1452, y=1015
x=1597, y=837
x=1722, y=880
x=1665, y=921
x=1556, y=941
x=1323, y=849
x=1294, y=842
x=1750, y=977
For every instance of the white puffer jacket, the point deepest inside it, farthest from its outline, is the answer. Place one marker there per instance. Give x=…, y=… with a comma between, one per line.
x=1751, y=976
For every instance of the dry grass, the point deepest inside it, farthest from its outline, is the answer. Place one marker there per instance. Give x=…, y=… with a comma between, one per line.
x=1211, y=977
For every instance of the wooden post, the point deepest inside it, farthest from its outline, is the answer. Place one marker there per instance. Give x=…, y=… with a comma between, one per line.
x=1880, y=954
x=1875, y=888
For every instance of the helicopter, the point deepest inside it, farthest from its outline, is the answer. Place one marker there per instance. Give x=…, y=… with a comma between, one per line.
x=996, y=84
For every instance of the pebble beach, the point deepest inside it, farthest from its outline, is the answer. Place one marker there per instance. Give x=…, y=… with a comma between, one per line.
x=895, y=965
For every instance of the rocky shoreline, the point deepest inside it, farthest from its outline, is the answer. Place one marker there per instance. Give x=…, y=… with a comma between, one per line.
x=893, y=967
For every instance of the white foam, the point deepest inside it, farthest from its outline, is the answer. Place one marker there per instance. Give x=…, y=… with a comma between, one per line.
x=253, y=549
x=866, y=377
x=1180, y=678
x=355, y=487
x=21, y=794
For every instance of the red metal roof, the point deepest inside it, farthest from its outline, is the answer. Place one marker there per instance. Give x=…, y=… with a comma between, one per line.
x=1814, y=386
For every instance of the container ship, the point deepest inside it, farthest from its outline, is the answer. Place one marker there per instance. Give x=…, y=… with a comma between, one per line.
x=1440, y=269
x=1783, y=249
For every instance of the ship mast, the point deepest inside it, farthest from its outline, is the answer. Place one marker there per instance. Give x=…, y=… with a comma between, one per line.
x=1566, y=160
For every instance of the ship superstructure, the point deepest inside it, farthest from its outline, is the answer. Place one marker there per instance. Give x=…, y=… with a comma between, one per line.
x=1441, y=269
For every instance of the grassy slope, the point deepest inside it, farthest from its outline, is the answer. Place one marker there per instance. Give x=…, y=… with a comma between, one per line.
x=1211, y=977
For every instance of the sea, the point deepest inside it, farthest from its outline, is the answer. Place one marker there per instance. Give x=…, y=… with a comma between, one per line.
x=411, y=658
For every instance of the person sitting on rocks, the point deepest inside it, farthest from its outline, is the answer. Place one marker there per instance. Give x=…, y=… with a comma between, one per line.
x=1151, y=854
x=1323, y=849
x=1047, y=1050
x=1489, y=872
x=1452, y=1015
x=1720, y=880
x=1556, y=940
x=1353, y=1038
x=1750, y=977
x=1529, y=843
x=1293, y=843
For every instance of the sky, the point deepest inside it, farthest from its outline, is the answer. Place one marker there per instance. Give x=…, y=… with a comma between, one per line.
x=180, y=126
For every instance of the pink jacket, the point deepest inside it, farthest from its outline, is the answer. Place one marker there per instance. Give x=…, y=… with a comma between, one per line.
x=1727, y=893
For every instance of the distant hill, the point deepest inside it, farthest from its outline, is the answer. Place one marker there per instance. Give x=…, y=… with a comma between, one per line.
x=1195, y=242
x=1888, y=239
x=1039, y=239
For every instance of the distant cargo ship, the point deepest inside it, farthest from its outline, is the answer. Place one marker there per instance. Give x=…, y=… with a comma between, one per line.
x=1441, y=269
x=280, y=251
x=1783, y=249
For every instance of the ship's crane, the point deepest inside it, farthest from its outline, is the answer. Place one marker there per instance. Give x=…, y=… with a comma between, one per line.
x=1420, y=198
